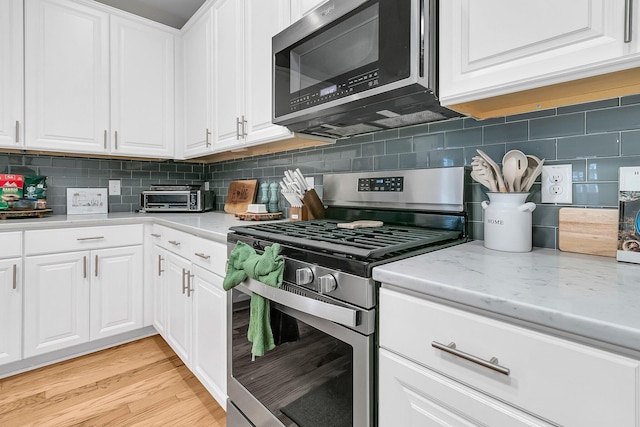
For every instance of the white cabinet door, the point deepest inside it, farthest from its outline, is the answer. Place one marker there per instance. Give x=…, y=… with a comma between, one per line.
x=159, y=290
x=11, y=74
x=495, y=47
x=263, y=20
x=142, y=89
x=413, y=396
x=198, y=91
x=66, y=77
x=228, y=73
x=10, y=310
x=116, y=291
x=209, y=361
x=56, y=302
x=300, y=8
x=178, y=327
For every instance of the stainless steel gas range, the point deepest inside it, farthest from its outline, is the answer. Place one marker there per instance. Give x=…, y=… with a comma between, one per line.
x=323, y=318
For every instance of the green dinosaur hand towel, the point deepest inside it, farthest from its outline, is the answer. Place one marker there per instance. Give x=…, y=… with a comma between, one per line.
x=267, y=268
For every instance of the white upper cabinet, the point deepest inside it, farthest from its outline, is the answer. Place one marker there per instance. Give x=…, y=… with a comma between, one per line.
x=496, y=47
x=197, y=51
x=228, y=72
x=142, y=89
x=96, y=83
x=300, y=8
x=263, y=20
x=66, y=77
x=242, y=32
x=11, y=74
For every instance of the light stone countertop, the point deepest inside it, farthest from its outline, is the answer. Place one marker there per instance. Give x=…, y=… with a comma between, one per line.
x=212, y=225
x=583, y=295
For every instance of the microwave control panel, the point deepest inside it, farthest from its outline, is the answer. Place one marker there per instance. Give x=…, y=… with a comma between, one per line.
x=349, y=86
x=394, y=183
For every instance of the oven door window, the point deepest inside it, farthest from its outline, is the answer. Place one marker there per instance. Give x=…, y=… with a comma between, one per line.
x=307, y=379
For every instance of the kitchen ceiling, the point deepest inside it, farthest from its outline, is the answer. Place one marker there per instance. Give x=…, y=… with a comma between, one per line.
x=174, y=13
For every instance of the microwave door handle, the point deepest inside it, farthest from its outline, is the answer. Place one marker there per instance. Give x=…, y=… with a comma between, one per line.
x=343, y=315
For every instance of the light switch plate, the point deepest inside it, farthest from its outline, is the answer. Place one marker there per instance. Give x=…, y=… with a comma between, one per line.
x=114, y=187
x=557, y=184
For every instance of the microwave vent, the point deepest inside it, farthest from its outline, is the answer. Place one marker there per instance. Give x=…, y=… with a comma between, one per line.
x=410, y=119
x=352, y=129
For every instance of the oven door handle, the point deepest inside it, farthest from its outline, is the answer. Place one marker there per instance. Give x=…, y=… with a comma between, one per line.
x=334, y=313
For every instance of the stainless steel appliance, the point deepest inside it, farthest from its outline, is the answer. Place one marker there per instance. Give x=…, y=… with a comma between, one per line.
x=322, y=371
x=176, y=198
x=356, y=66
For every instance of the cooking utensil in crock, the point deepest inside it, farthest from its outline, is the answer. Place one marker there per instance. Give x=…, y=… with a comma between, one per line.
x=514, y=166
x=496, y=170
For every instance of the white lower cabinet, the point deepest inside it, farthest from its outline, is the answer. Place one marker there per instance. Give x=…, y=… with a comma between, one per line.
x=209, y=361
x=81, y=284
x=190, y=305
x=556, y=380
x=73, y=298
x=10, y=309
x=178, y=330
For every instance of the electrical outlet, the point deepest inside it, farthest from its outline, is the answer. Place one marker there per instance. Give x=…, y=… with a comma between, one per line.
x=114, y=187
x=207, y=186
x=557, y=184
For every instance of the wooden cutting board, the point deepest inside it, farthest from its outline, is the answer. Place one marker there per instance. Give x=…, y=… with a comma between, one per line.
x=250, y=216
x=588, y=231
x=360, y=224
x=240, y=195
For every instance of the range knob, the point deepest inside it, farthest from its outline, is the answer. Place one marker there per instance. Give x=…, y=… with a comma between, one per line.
x=328, y=284
x=304, y=276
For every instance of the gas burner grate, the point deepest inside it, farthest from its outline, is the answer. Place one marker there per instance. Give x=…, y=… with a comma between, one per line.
x=363, y=242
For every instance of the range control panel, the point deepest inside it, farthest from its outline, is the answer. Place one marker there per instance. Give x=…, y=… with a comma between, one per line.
x=395, y=183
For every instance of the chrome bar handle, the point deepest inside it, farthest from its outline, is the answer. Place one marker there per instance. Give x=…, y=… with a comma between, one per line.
x=201, y=255
x=491, y=364
x=174, y=242
x=628, y=21
x=81, y=239
x=244, y=123
x=84, y=267
x=184, y=273
x=105, y=139
x=96, y=265
x=206, y=138
x=17, y=131
x=15, y=276
x=237, y=128
x=160, y=270
x=155, y=235
x=116, y=139
x=189, y=288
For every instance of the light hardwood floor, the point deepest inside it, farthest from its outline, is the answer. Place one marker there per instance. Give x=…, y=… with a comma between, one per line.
x=142, y=383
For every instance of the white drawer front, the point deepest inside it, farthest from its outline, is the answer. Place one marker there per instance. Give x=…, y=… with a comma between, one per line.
x=564, y=382
x=209, y=254
x=413, y=396
x=77, y=239
x=173, y=240
x=11, y=245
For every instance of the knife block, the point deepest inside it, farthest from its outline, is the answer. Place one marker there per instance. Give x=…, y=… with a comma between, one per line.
x=299, y=214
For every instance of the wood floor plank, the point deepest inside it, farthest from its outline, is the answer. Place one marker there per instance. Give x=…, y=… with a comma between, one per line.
x=141, y=383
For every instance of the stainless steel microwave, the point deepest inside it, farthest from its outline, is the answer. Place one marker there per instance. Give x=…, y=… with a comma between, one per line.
x=356, y=66
x=176, y=198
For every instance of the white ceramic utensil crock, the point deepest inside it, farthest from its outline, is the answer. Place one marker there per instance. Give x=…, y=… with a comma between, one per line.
x=507, y=222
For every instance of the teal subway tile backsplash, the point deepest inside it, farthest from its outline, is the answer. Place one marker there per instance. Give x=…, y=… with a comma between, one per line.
x=596, y=145
x=586, y=136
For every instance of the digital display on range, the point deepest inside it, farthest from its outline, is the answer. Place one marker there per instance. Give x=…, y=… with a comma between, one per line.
x=394, y=183
x=328, y=90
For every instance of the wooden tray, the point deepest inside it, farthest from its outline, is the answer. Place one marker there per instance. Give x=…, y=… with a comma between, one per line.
x=30, y=213
x=250, y=216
